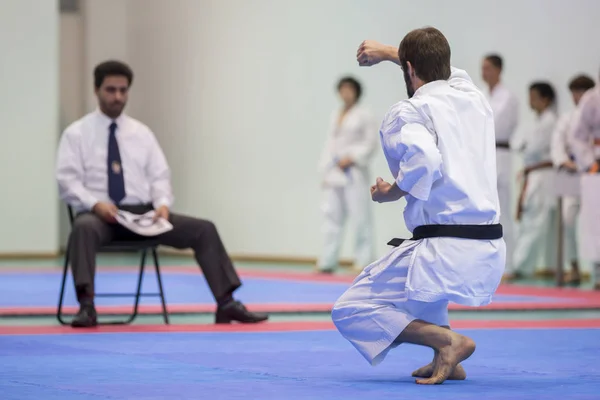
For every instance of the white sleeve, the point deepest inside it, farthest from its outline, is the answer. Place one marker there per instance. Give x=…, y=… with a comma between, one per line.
x=362, y=151
x=558, y=149
x=540, y=139
x=69, y=172
x=326, y=159
x=159, y=175
x=581, y=134
x=412, y=155
x=506, y=118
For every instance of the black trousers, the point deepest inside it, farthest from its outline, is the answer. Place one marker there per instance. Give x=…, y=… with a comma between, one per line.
x=90, y=232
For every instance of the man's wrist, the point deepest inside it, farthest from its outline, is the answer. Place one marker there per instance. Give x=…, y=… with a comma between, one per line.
x=391, y=54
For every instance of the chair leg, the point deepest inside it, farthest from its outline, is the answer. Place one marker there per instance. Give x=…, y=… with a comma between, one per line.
x=160, y=287
x=63, y=284
x=139, y=287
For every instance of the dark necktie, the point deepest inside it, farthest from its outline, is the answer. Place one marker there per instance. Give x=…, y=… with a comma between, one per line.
x=116, y=183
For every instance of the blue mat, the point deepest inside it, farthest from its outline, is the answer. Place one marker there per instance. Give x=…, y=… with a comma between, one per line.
x=508, y=364
x=42, y=289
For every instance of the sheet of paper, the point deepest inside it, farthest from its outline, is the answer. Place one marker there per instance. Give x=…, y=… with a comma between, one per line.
x=590, y=217
x=144, y=224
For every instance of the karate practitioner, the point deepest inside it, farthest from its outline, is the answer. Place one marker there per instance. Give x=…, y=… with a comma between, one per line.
x=506, y=117
x=440, y=147
x=351, y=143
x=537, y=202
x=563, y=159
x=586, y=145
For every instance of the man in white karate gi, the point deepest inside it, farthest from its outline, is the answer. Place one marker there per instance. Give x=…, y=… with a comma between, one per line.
x=440, y=147
x=506, y=118
x=563, y=158
x=585, y=135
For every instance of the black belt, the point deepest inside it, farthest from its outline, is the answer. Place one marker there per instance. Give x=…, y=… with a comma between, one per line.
x=502, y=145
x=476, y=232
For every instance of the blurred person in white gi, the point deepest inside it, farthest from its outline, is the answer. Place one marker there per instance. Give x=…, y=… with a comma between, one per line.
x=506, y=117
x=344, y=165
x=441, y=150
x=536, y=211
x=586, y=144
x=563, y=159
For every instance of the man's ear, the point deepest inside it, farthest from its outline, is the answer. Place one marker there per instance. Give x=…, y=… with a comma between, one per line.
x=411, y=70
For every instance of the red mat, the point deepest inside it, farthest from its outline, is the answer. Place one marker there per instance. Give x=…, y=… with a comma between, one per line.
x=562, y=298
x=288, y=326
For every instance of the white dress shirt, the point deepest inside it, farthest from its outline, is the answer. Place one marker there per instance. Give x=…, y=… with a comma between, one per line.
x=82, y=166
x=506, y=113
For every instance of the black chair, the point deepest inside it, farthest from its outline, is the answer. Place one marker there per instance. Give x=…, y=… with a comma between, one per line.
x=143, y=246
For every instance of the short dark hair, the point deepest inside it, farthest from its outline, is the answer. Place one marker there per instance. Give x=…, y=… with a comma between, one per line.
x=348, y=80
x=428, y=50
x=581, y=82
x=545, y=90
x=111, y=68
x=495, y=60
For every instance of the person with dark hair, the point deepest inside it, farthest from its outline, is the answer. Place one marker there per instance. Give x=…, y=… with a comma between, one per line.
x=108, y=161
x=563, y=159
x=351, y=142
x=506, y=118
x=536, y=210
x=585, y=136
x=440, y=147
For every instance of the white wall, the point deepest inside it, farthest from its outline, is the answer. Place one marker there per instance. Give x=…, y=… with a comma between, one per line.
x=239, y=92
x=29, y=114
x=72, y=93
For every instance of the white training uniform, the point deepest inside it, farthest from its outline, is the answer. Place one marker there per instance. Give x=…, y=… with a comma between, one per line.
x=585, y=133
x=506, y=117
x=561, y=152
x=440, y=148
x=346, y=193
x=537, y=230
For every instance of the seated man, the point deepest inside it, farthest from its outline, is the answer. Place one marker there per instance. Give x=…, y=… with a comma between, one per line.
x=108, y=161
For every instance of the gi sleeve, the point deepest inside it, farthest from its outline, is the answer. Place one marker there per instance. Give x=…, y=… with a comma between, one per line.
x=69, y=171
x=582, y=133
x=411, y=152
x=362, y=151
x=559, y=145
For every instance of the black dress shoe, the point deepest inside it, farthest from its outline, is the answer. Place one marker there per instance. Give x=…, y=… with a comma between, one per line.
x=236, y=311
x=85, y=318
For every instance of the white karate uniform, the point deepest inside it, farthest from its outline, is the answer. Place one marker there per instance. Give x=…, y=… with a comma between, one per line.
x=506, y=117
x=346, y=193
x=440, y=148
x=585, y=133
x=537, y=228
x=586, y=129
x=561, y=153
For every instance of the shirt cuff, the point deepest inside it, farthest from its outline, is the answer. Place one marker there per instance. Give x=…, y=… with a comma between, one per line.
x=164, y=201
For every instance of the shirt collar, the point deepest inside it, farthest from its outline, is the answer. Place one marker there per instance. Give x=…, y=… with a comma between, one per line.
x=430, y=87
x=105, y=120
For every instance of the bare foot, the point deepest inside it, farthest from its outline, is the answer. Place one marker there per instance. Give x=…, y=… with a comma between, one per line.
x=459, y=349
x=458, y=374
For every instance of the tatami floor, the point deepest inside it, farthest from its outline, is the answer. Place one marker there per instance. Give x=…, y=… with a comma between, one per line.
x=544, y=351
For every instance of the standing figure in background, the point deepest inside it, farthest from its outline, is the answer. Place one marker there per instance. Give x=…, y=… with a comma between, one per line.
x=563, y=159
x=586, y=146
x=506, y=116
x=537, y=204
x=344, y=166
